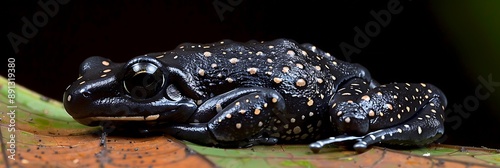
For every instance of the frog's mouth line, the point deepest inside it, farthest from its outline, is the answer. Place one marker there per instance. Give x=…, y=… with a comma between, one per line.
x=94, y=121
x=171, y=115
x=127, y=118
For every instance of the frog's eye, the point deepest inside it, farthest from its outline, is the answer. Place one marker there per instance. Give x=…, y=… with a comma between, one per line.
x=143, y=80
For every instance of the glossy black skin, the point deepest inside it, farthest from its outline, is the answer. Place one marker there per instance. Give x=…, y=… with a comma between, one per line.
x=231, y=94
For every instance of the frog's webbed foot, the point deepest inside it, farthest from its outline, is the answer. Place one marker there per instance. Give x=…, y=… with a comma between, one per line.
x=359, y=143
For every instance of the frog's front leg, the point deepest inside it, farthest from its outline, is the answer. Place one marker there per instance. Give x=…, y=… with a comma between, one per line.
x=398, y=113
x=238, y=119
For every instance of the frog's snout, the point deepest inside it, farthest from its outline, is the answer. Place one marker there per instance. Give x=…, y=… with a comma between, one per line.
x=95, y=73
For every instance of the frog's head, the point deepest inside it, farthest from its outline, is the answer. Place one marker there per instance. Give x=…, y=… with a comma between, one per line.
x=142, y=89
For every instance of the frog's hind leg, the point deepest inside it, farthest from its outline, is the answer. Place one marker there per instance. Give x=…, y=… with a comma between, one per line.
x=397, y=113
x=422, y=129
x=404, y=114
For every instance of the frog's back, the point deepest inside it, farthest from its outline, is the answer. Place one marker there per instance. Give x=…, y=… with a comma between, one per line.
x=305, y=76
x=281, y=64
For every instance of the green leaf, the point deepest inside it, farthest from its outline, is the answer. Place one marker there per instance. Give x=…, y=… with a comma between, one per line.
x=36, y=113
x=301, y=156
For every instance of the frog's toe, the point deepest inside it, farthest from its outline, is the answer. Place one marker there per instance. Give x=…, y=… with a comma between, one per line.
x=318, y=145
x=360, y=146
x=315, y=147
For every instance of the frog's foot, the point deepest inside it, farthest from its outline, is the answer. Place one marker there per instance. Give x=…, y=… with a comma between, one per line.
x=240, y=120
x=318, y=145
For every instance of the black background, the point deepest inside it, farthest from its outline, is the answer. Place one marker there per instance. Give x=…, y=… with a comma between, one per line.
x=413, y=47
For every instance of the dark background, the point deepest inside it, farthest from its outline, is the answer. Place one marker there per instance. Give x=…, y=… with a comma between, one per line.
x=417, y=45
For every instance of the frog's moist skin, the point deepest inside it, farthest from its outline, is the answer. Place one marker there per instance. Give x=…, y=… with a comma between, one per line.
x=232, y=94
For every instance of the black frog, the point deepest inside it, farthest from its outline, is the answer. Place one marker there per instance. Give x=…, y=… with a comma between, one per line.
x=233, y=94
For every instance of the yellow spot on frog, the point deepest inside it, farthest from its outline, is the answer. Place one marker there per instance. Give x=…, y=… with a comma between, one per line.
x=365, y=98
x=389, y=106
x=285, y=69
x=297, y=130
x=233, y=60
x=300, y=66
x=201, y=72
x=317, y=68
x=252, y=71
x=371, y=113
x=207, y=54
x=300, y=82
x=277, y=80
x=347, y=120
x=257, y=111
x=269, y=60
x=319, y=80
x=310, y=102
x=218, y=107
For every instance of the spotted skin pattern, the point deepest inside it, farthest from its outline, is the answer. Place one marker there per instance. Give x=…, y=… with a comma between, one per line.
x=232, y=94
